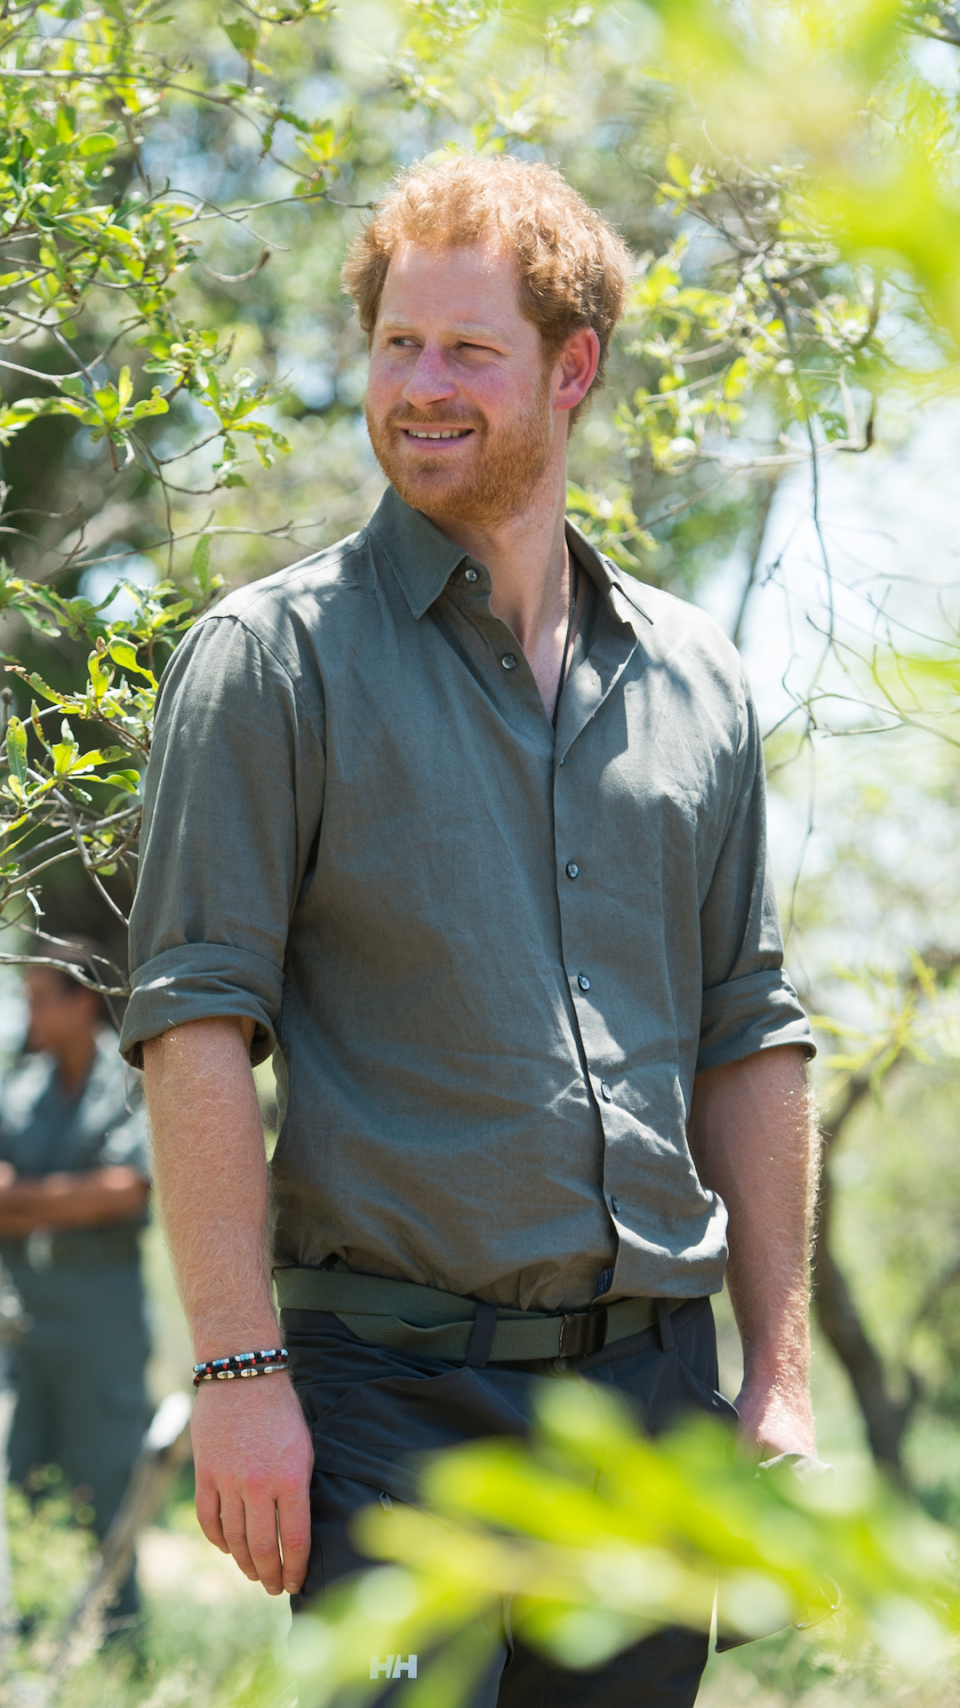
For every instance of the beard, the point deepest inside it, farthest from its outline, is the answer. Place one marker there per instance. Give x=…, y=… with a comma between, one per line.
x=505, y=463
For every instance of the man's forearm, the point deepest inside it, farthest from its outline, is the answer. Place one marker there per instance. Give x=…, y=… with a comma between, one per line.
x=211, y=1180
x=251, y=1448
x=754, y=1140
x=98, y=1197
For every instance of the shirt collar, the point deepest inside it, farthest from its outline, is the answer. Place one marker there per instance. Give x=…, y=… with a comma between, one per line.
x=424, y=559
x=625, y=606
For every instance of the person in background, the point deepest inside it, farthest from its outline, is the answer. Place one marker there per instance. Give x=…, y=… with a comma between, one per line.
x=74, y=1188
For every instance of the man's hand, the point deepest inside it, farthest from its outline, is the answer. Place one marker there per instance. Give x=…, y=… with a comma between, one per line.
x=777, y=1418
x=253, y=1459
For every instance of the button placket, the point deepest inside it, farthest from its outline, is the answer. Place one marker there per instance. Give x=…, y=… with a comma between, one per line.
x=594, y=1043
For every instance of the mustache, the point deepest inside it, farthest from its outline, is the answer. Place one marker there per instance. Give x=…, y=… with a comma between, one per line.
x=402, y=412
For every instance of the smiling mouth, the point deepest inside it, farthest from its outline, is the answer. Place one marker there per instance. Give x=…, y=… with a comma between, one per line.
x=422, y=433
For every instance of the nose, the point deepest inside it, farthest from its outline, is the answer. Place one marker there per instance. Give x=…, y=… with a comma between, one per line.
x=431, y=380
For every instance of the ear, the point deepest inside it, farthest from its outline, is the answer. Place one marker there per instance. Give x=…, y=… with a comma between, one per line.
x=576, y=368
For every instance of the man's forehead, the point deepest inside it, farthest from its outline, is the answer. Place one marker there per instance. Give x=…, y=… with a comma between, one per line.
x=475, y=286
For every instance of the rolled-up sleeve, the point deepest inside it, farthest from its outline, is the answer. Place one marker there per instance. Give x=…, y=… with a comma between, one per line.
x=749, y=1003
x=233, y=803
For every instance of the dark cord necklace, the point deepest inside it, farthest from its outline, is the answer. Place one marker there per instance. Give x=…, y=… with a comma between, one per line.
x=569, y=637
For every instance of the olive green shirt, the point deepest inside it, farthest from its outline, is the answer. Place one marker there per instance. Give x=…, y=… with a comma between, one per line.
x=490, y=958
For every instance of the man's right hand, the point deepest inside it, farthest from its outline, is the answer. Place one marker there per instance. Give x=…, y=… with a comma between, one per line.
x=253, y=1458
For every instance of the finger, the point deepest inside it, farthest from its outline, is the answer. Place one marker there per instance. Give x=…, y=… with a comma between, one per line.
x=207, y=1501
x=293, y=1514
x=262, y=1542
x=233, y=1523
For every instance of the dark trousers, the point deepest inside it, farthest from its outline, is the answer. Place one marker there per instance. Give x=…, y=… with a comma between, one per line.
x=79, y=1380
x=370, y=1409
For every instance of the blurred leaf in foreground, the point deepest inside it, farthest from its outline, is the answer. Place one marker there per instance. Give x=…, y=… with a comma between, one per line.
x=595, y=1536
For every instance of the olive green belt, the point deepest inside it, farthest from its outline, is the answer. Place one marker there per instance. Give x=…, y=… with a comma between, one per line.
x=410, y=1318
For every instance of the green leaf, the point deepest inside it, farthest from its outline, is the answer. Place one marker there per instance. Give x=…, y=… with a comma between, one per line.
x=65, y=757
x=99, y=676
x=98, y=142
x=200, y=561
x=41, y=687
x=128, y=781
x=38, y=620
x=155, y=404
x=244, y=35
x=17, y=750
x=125, y=655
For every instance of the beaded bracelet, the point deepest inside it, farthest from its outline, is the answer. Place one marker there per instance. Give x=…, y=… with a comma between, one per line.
x=267, y=1363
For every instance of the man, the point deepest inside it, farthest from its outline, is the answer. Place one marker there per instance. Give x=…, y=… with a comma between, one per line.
x=470, y=830
x=74, y=1184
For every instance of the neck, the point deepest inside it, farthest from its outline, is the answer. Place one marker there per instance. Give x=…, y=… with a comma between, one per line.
x=526, y=556
x=74, y=1061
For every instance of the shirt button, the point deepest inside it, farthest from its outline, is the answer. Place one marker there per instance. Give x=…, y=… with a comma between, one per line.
x=573, y=870
x=509, y=661
x=583, y=982
x=615, y=1206
x=471, y=575
x=605, y=1091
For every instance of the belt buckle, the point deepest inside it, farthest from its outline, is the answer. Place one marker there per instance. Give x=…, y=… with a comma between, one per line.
x=583, y=1332
x=38, y=1250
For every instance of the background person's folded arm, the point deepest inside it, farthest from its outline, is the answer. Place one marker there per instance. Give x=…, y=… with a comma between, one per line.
x=97, y=1197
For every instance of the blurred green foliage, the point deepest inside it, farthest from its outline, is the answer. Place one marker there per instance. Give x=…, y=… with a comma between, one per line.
x=592, y=1533
x=50, y=1548
x=594, y=1536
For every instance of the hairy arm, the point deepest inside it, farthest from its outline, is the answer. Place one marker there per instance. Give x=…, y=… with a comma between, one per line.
x=252, y=1451
x=91, y=1199
x=754, y=1140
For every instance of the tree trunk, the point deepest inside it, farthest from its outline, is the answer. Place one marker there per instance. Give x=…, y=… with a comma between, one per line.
x=886, y=1418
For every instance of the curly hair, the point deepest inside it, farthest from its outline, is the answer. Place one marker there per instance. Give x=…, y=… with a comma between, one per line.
x=573, y=266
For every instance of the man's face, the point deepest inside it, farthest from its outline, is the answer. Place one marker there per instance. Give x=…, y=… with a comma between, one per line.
x=453, y=355
x=61, y=1012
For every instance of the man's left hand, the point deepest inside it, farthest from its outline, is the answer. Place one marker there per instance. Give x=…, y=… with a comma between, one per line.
x=775, y=1418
